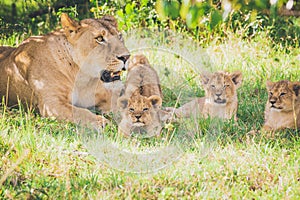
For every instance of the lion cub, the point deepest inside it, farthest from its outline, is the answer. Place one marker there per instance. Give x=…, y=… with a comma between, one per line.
x=142, y=99
x=220, y=97
x=140, y=114
x=283, y=106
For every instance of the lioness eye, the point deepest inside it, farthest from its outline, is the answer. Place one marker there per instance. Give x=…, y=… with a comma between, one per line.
x=100, y=39
x=131, y=109
x=225, y=86
x=282, y=94
x=145, y=109
x=213, y=86
x=271, y=93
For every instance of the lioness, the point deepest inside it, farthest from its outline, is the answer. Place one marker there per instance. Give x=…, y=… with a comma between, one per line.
x=66, y=71
x=141, y=102
x=220, y=97
x=283, y=106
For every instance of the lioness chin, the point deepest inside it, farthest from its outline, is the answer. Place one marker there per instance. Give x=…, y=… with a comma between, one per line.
x=63, y=73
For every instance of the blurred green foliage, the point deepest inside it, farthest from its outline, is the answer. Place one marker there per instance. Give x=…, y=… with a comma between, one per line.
x=203, y=20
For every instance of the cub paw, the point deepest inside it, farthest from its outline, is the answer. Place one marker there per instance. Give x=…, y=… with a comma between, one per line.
x=102, y=122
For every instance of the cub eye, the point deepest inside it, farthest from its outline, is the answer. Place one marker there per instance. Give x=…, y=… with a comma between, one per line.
x=145, y=109
x=282, y=94
x=271, y=93
x=213, y=86
x=100, y=39
x=225, y=86
x=131, y=109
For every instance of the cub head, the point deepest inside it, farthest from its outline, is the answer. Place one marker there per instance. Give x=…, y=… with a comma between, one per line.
x=220, y=87
x=283, y=95
x=138, y=109
x=138, y=60
x=97, y=46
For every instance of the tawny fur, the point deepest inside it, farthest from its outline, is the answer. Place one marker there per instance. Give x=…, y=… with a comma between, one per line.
x=59, y=73
x=220, y=97
x=142, y=98
x=142, y=77
x=283, y=106
x=140, y=112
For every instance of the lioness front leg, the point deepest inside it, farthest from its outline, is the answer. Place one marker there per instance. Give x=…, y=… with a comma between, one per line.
x=65, y=111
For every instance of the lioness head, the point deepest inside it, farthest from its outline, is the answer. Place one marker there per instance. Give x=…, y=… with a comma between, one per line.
x=97, y=46
x=220, y=87
x=139, y=110
x=282, y=95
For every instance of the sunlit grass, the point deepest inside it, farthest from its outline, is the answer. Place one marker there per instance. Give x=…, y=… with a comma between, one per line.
x=44, y=158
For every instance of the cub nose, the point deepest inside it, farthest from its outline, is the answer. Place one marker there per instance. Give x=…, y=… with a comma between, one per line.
x=272, y=101
x=138, y=116
x=123, y=58
x=218, y=94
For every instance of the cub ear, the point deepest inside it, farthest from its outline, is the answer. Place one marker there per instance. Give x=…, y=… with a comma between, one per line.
x=205, y=77
x=110, y=19
x=269, y=85
x=138, y=59
x=156, y=101
x=296, y=88
x=122, y=102
x=68, y=24
x=141, y=59
x=237, y=78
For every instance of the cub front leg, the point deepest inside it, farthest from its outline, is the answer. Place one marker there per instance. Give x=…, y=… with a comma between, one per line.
x=124, y=128
x=187, y=110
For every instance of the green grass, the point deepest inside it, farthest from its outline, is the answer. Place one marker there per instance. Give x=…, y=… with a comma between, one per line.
x=45, y=159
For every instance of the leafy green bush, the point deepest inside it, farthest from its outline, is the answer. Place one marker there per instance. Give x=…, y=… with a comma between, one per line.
x=202, y=20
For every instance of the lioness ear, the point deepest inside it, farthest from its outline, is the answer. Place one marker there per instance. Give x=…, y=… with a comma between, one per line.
x=156, y=101
x=122, y=102
x=237, y=78
x=269, y=85
x=205, y=78
x=296, y=88
x=68, y=24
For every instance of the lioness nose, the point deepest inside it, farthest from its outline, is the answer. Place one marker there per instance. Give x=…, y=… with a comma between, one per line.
x=218, y=94
x=123, y=58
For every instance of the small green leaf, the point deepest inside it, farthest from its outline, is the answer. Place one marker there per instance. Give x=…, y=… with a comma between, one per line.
x=129, y=8
x=192, y=17
x=171, y=8
x=215, y=19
